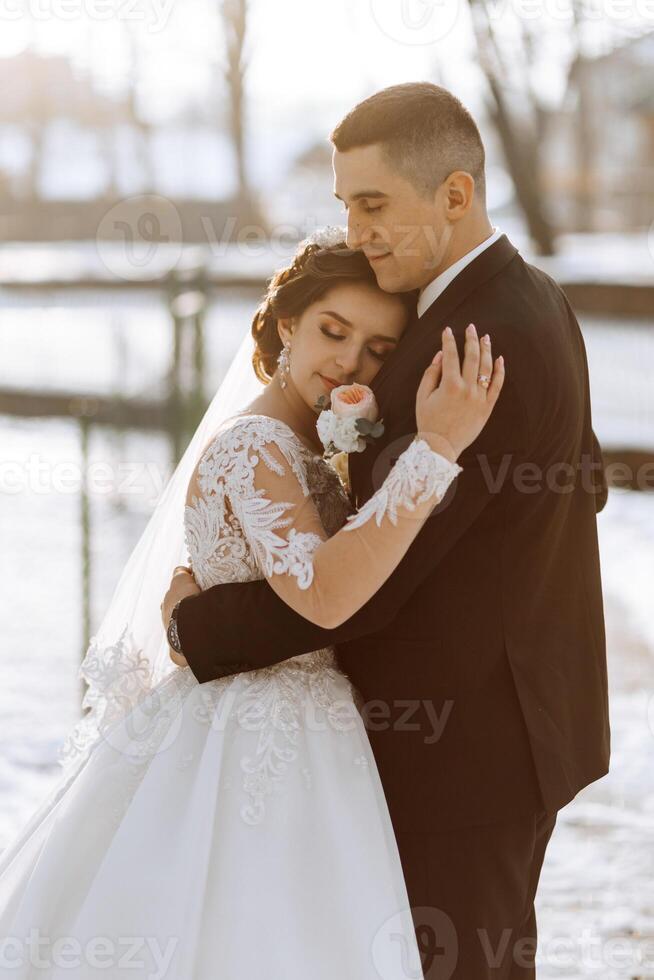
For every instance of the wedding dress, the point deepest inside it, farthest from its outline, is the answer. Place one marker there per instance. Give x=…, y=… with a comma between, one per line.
x=228, y=830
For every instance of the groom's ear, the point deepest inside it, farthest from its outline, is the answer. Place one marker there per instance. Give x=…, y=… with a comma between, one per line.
x=459, y=190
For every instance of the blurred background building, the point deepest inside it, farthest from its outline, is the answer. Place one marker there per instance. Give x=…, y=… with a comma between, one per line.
x=158, y=159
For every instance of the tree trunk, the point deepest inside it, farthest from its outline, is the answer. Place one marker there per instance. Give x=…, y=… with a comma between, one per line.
x=519, y=139
x=234, y=15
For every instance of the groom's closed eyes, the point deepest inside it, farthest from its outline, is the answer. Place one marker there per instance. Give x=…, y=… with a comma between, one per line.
x=364, y=197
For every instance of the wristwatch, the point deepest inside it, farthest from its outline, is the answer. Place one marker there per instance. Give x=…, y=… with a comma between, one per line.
x=171, y=632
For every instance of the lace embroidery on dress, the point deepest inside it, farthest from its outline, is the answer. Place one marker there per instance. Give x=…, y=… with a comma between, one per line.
x=116, y=674
x=272, y=700
x=226, y=477
x=418, y=475
x=272, y=703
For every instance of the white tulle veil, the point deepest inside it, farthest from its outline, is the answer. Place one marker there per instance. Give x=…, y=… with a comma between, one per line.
x=129, y=656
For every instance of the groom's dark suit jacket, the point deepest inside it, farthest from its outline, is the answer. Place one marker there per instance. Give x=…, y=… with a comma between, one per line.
x=481, y=661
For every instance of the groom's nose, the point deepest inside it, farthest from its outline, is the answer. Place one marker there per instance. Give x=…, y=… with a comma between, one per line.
x=354, y=239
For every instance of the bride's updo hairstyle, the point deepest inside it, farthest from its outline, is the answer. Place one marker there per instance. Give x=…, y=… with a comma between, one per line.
x=318, y=266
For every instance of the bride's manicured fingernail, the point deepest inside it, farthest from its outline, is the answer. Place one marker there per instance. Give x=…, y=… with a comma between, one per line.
x=448, y=331
x=485, y=339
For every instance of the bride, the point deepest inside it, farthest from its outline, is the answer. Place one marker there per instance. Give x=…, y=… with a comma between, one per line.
x=238, y=828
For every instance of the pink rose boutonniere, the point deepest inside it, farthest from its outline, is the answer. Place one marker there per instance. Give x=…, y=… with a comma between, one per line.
x=352, y=420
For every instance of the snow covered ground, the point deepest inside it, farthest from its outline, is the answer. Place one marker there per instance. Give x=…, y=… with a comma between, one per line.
x=596, y=900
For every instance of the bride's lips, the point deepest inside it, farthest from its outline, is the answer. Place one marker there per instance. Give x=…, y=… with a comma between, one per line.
x=329, y=381
x=378, y=257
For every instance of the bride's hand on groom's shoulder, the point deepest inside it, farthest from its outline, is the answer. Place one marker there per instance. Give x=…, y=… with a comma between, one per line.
x=454, y=402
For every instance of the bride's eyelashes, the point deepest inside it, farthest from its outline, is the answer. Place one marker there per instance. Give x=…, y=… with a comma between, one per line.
x=332, y=336
x=339, y=336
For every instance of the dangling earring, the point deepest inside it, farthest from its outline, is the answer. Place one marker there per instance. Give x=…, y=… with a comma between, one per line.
x=284, y=363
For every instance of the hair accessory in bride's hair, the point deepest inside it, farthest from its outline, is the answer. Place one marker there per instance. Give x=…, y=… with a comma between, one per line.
x=327, y=237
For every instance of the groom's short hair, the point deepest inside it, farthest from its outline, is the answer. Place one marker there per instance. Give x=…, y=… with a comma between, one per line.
x=425, y=132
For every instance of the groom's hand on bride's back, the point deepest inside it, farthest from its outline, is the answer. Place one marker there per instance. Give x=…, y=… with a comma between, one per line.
x=454, y=403
x=182, y=585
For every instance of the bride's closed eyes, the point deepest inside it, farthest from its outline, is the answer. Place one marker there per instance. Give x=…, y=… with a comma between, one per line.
x=378, y=355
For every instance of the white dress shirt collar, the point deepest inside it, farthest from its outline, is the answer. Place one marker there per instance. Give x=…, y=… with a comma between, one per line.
x=432, y=291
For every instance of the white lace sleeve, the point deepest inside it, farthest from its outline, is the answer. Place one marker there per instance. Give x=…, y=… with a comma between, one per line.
x=256, y=470
x=261, y=519
x=418, y=475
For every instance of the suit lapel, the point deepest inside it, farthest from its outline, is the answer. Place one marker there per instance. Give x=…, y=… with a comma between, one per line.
x=419, y=333
x=484, y=267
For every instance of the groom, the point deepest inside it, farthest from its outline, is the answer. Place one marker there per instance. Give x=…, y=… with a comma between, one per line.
x=493, y=621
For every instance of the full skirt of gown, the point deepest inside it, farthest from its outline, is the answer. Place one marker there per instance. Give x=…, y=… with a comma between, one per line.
x=233, y=830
